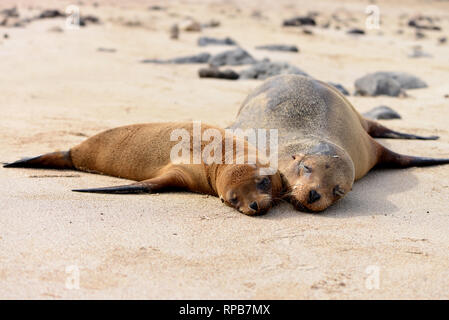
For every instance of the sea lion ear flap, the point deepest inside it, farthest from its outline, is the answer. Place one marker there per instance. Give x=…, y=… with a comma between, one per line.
x=298, y=156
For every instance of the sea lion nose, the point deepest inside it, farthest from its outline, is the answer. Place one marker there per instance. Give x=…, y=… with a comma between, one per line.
x=254, y=206
x=313, y=196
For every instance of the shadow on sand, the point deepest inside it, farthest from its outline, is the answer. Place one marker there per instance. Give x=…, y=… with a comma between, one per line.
x=369, y=196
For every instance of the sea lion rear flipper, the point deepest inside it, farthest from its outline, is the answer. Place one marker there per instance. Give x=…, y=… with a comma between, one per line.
x=376, y=130
x=167, y=180
x=126, y=189
x=392, y=159
x=54, y=160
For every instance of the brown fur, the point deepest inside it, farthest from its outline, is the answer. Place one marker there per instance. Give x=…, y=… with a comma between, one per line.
x=141, y=152
x=325, y=144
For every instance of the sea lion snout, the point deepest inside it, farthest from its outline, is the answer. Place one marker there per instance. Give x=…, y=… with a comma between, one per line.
x=253, y=205
x=313, y=196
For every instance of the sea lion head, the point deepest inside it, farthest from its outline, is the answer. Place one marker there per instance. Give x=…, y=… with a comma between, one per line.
x=319, y=178
x=244, y=188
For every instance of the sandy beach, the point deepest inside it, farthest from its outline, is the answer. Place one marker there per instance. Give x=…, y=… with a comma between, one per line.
x=57, y=88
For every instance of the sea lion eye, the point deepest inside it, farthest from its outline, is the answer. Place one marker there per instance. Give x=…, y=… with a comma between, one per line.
x=264, y=184
x=305, y=168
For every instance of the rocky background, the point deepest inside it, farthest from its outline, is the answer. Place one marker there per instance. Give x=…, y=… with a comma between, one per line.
x=144, y=61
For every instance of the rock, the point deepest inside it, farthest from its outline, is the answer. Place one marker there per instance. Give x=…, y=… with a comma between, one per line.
x=199, y=58
x=355, y=31
x=424, y=23
x=418, y=53
x=234, y=57
x=133, y=23
x=5, y=36
x=279, y=47
x=10, y=13
x=216, y=73
x=307, y=31
x=174, y=32
x=89, y=19
x=387, y=83
x=442, y=40
x=50, y=13
x=211, y=24
x=340, y=88
x=299, y=21
x=419, y=35
x=265, y=69
x=205, y=41
x=190, y=25
x=156, y=8
x=382, y=112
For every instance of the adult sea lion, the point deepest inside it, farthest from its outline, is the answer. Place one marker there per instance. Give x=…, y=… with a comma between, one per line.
x=143, y=153
x=324, y=143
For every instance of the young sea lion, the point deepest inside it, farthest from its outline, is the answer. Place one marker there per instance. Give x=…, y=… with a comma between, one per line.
x=143, y=153
x=324, y=143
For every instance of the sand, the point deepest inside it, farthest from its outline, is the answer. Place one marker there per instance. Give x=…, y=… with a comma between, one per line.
x=387, y=239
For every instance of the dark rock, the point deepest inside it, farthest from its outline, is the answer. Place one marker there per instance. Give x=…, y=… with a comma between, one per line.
x=419, y=35
x=50, y=13
x=382, y=112
x=5, y=36
x=355, y=31
x=340, y=88
x=299, y=21
x=424, y=23
x=265, y=69
x=156, y=8
x=387, y=83
x=205, y=41
x=307, y=31
x=234, y=57
x=199, y=58
x=279, y=47
x=216, y=73
x=442, y=40
x=89, y=19
x=10, y=13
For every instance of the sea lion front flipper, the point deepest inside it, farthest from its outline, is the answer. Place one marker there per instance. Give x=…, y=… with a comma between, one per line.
x=54, y=160
x=388, y=158
x=376, y=130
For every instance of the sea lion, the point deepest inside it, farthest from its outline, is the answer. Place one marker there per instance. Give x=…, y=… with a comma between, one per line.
x=324, y=143
x=143, y=153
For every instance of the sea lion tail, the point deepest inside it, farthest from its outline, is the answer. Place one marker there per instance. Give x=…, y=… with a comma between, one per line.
x=392, y=159
x=54, y=160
